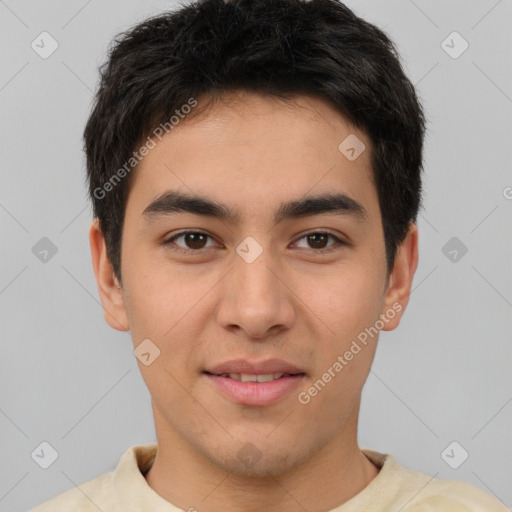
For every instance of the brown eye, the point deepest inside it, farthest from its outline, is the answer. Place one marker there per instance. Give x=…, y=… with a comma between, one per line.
x=192, y=241
x=195, y=240
x=319, y=240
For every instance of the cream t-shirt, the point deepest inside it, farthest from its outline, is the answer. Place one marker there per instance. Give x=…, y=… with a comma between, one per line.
x=394, y=489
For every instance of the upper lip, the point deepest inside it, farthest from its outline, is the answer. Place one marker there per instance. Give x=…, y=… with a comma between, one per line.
x=254, y=368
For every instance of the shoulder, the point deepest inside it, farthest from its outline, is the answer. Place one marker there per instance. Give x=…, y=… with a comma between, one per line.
x=89, y=496
x=454, y=496
x=407, y=490
x=125, y=484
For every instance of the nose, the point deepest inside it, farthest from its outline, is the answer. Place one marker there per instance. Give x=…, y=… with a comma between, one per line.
x=256, y=298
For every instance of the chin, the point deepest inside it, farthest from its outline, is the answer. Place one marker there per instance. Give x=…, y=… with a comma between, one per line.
x=249, y=461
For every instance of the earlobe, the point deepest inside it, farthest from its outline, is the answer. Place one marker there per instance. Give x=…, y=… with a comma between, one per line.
x=110, y=290
x=400, y=279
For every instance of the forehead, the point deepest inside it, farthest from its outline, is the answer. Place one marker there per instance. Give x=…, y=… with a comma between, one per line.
x=249, y=150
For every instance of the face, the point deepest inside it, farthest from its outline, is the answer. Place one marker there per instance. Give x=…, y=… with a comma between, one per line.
x=240, y=284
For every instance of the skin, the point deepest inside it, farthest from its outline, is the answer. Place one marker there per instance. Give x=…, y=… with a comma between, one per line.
x=292, y=302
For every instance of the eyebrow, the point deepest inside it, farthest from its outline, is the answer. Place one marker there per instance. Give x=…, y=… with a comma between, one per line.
x=172, y=202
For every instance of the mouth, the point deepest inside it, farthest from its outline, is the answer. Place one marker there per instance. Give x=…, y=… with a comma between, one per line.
x=254, y=389
x=249, y=377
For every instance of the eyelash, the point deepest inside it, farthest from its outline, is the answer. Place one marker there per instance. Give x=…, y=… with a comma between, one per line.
x=171, y=240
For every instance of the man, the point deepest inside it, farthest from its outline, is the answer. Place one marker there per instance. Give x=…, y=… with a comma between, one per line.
x=254, y=168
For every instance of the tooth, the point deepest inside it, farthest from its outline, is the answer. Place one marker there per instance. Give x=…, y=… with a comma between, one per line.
x=245, y=377
x=265, y=378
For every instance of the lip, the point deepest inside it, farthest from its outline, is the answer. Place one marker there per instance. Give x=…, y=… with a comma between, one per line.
x=255, y=393
x=254, y=368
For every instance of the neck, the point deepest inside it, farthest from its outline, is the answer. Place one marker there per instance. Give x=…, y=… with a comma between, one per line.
x=191, y=481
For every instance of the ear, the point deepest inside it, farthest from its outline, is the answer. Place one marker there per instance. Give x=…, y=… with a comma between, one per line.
x=400, y=279
x=110, y=290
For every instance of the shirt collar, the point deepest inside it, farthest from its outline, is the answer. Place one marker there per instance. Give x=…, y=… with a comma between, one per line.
x=135, y=495
x=132, y=491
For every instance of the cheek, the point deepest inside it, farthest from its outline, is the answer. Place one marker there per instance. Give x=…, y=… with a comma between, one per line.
x=168, y=306
x=344, y=302
x=158, y=295
x=164, y=309
x=348, y=307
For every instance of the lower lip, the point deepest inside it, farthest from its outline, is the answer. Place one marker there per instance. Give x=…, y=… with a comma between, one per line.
x=255, y=393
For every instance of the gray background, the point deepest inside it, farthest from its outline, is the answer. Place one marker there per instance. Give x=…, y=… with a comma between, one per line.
x=69, y=379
